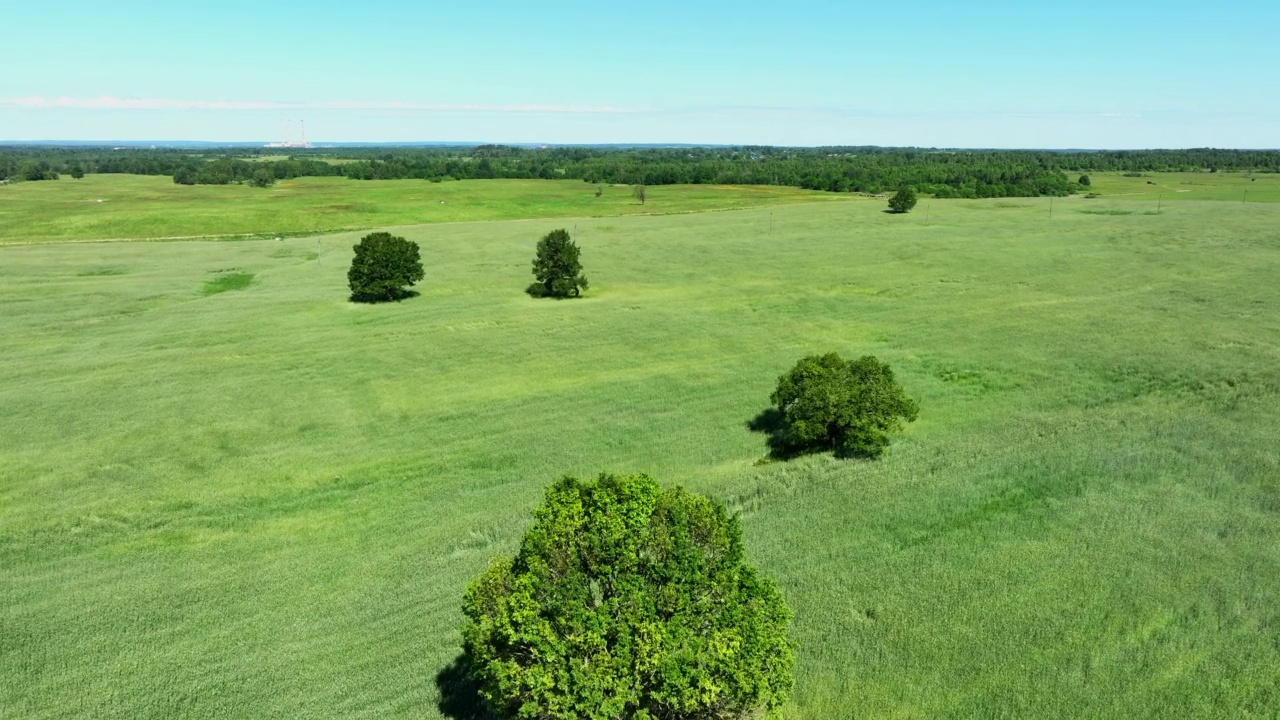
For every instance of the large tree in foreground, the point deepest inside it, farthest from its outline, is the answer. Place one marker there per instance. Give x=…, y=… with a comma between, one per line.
x=627, y=600
x=848, y=406
x=384, y=267
x=557, y=268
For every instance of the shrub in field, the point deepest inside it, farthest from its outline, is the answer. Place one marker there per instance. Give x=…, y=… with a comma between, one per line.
x=848, y=406
x=1085, y=181
x=903, y=200
x=627, y=600
x=556, y=267
x=384, y=267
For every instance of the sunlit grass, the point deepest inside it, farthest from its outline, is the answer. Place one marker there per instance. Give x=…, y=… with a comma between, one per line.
x=267, y=503
x=106, y=207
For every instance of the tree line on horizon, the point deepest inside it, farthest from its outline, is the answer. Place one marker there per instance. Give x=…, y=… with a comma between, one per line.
x=875, y=170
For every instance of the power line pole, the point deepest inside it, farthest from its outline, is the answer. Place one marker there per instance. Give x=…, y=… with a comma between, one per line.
x=1159, y=202
x=1050, y=206
x=927, y=209
x=770, y=222
x=317, y=252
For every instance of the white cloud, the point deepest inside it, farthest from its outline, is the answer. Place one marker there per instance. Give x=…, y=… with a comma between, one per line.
x=107, y=102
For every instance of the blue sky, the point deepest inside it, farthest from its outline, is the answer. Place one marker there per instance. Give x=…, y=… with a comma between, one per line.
x=1081, y=74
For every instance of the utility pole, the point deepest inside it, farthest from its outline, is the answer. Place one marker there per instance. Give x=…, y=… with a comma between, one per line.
x=927, y=209
x=317, y=252
x=1159, y=202
x=1050, y=206
x=770, y=222
x=1246, y=197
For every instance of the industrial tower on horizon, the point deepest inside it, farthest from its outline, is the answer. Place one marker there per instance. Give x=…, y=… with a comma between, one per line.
x=287, y=139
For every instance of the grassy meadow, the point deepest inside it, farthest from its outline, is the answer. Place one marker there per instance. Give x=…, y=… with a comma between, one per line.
x=115, y=207
x=225, y=491
x=127, y=207
x=1170, y=187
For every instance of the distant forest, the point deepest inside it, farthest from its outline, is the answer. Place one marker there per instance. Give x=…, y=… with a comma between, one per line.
x=943, y=173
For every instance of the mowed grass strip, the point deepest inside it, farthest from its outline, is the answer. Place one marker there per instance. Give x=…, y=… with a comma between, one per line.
x=106, y=207
x=268, y=503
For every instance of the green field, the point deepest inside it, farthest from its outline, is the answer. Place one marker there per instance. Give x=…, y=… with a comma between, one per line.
x=114, y=207
x=1168, y=187
x=225, y=491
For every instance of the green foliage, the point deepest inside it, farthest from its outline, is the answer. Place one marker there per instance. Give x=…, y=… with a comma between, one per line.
x=628, y=601
x=1085, y=181
x=383, y=268
x=952, y=174
x=639, y=192
x=77, y=171
x=557, y=268
x=262, y=178
x=33, y=170
x=848, y=406
x=903, y=200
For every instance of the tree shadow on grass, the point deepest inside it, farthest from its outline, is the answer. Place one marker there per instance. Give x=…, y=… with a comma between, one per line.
x=373, y=299
x=772, y=425
x=459, y=693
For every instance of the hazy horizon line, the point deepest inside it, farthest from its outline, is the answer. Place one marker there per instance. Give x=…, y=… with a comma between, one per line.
x=332, y=144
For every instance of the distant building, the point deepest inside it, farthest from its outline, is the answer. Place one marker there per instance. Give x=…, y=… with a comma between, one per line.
x=287, y=139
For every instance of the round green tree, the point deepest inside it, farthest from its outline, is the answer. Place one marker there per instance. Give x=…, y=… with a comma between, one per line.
x=627, y=600
x=1085, y=181
x=384, y=267
x=848, y=406
x=903, y=200
x=263, y=177
x=557, y=268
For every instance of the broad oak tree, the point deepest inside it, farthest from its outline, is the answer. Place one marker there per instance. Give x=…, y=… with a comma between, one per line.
x=384, y=267
x=628, y=600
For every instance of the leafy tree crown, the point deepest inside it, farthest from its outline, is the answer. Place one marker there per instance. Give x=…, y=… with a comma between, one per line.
x=628, y=601
x=848, y=406
x=903, y=200
x=384, y=267
x=557, y=268
x=263, y=178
